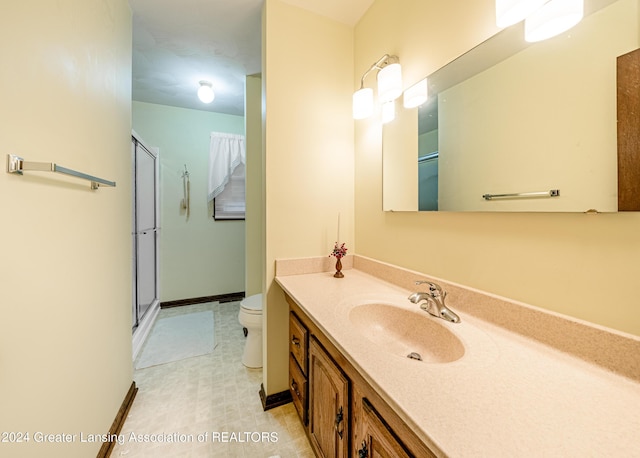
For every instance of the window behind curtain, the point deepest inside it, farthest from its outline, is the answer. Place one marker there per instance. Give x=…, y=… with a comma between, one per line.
x=227, y=176
x=230, y=203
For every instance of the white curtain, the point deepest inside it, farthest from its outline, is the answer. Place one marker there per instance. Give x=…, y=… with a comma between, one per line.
x=226, y=152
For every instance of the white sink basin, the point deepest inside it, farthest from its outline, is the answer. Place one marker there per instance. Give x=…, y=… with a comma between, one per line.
x=405, y=332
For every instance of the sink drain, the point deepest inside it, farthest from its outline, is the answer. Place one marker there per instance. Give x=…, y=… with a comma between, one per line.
x=414, y=355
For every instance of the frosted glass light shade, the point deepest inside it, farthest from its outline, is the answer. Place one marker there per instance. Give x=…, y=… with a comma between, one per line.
x=205, y=92
x=553, y=18
x=509, y=12
x=363, y=103
x=388, y=111
x=416, y=95
x=389, y=83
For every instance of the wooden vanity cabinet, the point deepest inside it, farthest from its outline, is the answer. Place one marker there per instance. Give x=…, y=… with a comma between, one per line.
x=298, y=389
x=298, y=341
x=343, y=414
x=328, y=404
x=373, y=438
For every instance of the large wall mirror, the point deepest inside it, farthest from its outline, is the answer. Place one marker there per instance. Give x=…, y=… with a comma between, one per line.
x=510, y=117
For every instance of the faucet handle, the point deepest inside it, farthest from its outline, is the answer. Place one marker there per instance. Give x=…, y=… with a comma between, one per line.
x=433, y=287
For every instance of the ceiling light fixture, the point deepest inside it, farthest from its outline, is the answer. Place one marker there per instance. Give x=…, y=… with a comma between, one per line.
x=205, y=92
x=553, y=18
x=389, y=86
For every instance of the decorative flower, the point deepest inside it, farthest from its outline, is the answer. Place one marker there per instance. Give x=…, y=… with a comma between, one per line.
x=339, y=251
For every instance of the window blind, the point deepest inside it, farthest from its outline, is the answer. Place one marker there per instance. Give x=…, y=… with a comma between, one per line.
x=230, y=203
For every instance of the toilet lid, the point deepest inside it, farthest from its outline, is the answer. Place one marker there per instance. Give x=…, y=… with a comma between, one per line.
x=252, y=304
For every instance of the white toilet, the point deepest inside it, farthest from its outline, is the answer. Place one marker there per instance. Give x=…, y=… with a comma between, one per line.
x=250, y=317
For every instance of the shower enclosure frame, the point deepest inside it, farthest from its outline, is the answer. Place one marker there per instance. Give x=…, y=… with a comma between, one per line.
x=145, y=239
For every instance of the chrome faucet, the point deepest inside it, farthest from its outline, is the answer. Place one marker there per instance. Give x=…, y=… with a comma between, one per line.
x=434, y=302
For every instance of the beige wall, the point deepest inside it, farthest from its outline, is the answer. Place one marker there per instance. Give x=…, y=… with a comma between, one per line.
x=254, y=227
x=583, y=265
x=399, y=164
x=308, y=81
x=65, y=267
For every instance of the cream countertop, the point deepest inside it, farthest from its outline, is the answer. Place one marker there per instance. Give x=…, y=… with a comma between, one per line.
x=509, y=395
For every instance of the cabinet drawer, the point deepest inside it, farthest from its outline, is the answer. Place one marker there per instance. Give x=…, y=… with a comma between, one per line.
x=298, y=341
x=298, y=388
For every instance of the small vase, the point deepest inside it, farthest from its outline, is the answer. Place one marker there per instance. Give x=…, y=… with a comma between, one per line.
x=338, y=273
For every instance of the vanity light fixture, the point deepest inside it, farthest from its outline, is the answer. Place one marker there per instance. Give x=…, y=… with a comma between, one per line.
x=363, y=103
x=553, y=18
x=416, y=95
x=205, y=92
x=509, y=12
x=389, y=86
x=390, y=82
x=388, y=111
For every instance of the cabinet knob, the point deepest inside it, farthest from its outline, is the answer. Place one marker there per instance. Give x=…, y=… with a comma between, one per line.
x=294, y=386
x=363, y=452
x=295, y=341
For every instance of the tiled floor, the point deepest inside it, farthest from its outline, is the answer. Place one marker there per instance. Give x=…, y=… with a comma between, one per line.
x=212, y=401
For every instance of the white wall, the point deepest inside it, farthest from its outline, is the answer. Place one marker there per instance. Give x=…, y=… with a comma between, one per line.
x=65, y=262
x=198, y=255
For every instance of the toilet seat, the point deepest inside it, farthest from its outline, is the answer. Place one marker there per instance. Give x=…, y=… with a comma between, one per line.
x=252, y=304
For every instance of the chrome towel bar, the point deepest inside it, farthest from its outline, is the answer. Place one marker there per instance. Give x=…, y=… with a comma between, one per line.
x=550, y=193
x=16, y=164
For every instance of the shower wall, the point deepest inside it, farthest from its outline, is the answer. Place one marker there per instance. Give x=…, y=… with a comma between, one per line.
x=198, y=256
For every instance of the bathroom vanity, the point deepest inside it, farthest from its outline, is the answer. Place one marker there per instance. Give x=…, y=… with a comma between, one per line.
x=508, y=380
x=336, y=404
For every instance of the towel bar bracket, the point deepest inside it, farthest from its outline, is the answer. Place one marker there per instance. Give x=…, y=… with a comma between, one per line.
x=14, y=164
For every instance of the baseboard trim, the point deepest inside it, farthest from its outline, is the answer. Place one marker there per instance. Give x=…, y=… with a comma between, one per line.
x=228, y=297
x=118, y=422
x=274, y=400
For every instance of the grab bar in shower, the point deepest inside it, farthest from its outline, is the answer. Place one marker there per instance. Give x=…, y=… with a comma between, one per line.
x=16, y=164
x=550, y=193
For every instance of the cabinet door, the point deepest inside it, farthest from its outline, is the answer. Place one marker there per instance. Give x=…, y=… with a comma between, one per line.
x=328, y=405
x=376, y=440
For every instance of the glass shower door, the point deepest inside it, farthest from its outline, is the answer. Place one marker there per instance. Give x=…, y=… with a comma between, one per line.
x=145, y=231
